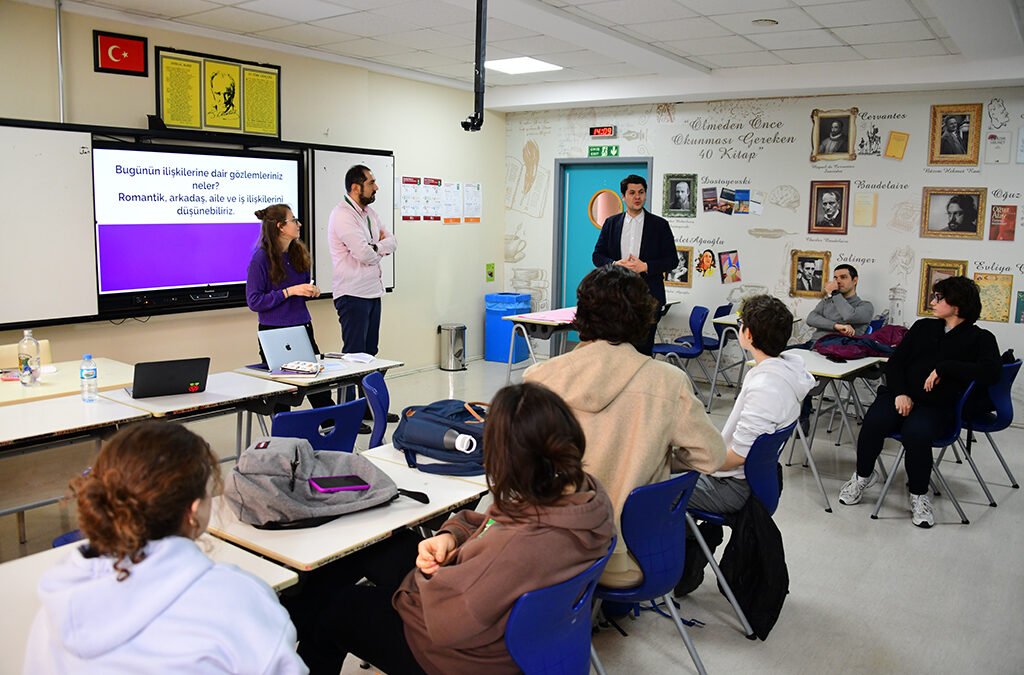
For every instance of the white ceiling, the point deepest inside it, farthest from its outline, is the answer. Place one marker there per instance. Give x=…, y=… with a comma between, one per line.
x=626, y=51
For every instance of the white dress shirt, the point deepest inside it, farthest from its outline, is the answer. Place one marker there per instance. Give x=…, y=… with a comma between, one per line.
x=632, y=232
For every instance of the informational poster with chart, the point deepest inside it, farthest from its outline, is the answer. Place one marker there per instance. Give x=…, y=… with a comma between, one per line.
x=451, y=198
x=472, y=202
x=412, y=198
x=431, y=189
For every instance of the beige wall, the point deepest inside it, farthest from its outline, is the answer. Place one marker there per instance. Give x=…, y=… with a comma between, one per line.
x=439, y=269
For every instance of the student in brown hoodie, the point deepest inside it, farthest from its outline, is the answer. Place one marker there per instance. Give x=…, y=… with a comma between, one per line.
x=550, y=521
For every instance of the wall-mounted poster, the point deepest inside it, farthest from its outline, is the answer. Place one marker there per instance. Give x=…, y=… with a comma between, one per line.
x=933, y=270
x=829, y=207
x=996, y=294
x=953, y=212
x=1004, y=222
x=680, y=195
x=806, y=271
x=682, y=275
x=833, y=133
x=729, y=266
x=706, y=263
x=955, y=134
x=214, y=93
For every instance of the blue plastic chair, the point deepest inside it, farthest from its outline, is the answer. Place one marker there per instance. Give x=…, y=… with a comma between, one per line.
x=952, y=436
x=652, y=529
x=874, y=325
x=379, y=401
x=989, y=423
x=548, y=631
x=683, y=349
x=345, y=419
x=713, y=344
x=68, y=538
x=763, y=478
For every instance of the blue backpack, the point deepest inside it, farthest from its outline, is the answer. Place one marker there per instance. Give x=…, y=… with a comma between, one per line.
x=427, y=430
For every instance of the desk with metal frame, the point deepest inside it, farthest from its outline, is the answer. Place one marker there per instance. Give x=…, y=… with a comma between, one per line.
x=541, y=325
x=337, y=374
x=110, y=374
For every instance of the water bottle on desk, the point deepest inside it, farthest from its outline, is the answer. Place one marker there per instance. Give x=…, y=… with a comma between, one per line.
x=87, y=373
x=28, y=360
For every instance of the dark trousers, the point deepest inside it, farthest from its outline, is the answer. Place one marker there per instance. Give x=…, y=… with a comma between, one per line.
x=647, y=347
x=360, y=323
x=334, y=617
x=919, y=430
x=320, y=399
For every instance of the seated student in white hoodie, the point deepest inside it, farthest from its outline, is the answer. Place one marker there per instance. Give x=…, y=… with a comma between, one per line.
x=141, y=596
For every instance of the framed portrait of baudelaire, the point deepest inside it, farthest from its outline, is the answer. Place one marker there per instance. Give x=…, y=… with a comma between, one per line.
x=932, y=271
x=955, y=134
x=807, y=271
x=680, y=195
x=953, y=213
x=833, y=134
x=682, y=275
x=829, y=206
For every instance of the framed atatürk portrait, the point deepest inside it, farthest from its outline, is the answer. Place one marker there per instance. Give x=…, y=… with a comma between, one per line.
x=955, y=213
x=682, y=275
x=833, y=134
x=933, y=270
x=807, y=271
x=680, y=195
x=955, y=134
x=829, y=207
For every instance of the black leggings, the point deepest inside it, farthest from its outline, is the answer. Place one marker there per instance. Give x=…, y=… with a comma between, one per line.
x=920, y=429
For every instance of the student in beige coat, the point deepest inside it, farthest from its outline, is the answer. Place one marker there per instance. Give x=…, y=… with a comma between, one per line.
x=640, y=416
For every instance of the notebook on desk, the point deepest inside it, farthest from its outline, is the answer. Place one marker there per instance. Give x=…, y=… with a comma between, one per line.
x=283, y=345
x=162, y=378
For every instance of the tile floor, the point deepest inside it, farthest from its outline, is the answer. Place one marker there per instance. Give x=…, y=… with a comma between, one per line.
x=865, y=596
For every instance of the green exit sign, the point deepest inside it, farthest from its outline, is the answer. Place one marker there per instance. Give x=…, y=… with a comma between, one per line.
x=603, y=151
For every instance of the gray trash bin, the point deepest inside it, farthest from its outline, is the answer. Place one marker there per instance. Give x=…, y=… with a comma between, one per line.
x=453, y=346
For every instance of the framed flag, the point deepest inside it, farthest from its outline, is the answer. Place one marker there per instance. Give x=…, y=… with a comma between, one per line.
x=120, y=54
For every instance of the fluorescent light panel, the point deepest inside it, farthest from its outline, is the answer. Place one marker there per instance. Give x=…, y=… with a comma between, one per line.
x=520, y=65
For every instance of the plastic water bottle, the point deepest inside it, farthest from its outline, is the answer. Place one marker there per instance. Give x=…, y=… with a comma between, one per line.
x=87, y=372
x=28, y=360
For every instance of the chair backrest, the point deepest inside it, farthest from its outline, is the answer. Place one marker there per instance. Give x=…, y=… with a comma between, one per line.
x=698, y=317
x=723, y=310
x=958, y=420
x=654, y=530
x=1000, y=395
x=760, y=466
x=9, y=354
x=68, y=538
x=874, y=325
x=379, y=400
x=345, y=419
x=548, y=631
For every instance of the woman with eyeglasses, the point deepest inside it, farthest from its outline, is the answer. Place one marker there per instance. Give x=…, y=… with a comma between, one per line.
x=925, y=378
x=277, y=284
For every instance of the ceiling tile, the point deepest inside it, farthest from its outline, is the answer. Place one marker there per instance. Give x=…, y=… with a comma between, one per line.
x=680, y=29
x=496, y=30
x=818, y=55
x=539, y=44
x=428, y=14
x=727, y=44
x=583, y=14
x=305, y=34
x=418, y=60
x=811, y=3
x=923, y=8
x=235, y=20
x=937, y=28
x=621, y=12
x=743, y=60
x=903, y=31
x=795, y=39
x=167, y=9
x=861, y=13
x=424, y=38
x=950, y=45
x=365, y=48
x=789, y=19
x=610, y=70
x=582, y=57
x=713, y=7
x=363, y=5
x=365, y=24
x=295, y=10
x=897, y=50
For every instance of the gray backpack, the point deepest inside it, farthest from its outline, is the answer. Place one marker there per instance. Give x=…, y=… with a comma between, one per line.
x=269, y=487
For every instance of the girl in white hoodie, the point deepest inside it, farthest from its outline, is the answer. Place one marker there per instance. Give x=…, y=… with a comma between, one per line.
x=140, y=596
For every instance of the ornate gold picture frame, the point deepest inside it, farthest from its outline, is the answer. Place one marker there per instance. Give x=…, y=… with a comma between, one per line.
x=682, y=275
x=833, y=134
x=808, y=271
x=932, y=270
x=953, y=212
x=955, y=134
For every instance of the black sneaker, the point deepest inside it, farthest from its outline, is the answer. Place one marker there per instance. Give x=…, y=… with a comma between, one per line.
x=364, y=428
x=393, y=418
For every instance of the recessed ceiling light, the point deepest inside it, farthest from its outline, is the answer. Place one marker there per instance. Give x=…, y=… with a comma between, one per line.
x=520, y=65
x=765, y=22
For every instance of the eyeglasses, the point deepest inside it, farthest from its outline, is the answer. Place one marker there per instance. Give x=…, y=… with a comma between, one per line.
x=739, y=323
x=938, y=297
x=292, y=220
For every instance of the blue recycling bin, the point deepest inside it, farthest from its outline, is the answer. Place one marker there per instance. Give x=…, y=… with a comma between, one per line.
x=498, y=332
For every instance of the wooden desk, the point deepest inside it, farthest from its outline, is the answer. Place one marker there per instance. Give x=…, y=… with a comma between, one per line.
x=110, y=375
x=541, y=325
x=389, y=453
x=310, y=548
x=19, y=580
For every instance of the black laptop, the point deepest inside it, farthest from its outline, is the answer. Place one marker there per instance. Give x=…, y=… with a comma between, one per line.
x=161, y=378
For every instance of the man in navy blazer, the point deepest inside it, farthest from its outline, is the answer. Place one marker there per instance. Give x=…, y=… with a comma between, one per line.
x=641, y=241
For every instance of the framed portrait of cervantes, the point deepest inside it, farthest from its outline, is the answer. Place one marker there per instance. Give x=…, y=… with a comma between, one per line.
x=833, y=134
x=955, y=134
x=807, y=271
x=933, y=270
x=829, y=207
x=682, y=275
x=953, y=213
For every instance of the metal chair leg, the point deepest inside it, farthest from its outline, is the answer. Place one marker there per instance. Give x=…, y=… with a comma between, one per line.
x=949, y=493
x=888, y=482
x=686, y=636
x=977, y=474
x=1009, y=474
x=598, y=666
x=747, y=630
x=22, y=534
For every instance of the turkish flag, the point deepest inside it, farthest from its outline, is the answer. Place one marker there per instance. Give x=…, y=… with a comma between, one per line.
x=122, y=53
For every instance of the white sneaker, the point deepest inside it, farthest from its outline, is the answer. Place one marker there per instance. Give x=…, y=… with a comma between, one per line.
x=921, y=505
x=851, y=492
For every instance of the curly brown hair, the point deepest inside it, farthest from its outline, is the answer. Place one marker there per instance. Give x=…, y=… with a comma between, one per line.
x=271, y=219
x=141, y=488
x=613, y=304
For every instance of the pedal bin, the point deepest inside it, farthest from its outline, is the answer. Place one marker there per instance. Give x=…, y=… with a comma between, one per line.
x=453, y=346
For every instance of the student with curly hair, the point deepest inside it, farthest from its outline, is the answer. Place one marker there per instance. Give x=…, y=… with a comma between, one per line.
x=141, y=596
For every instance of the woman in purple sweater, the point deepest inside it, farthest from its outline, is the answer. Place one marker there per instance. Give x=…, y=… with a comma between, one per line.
x=277, y=284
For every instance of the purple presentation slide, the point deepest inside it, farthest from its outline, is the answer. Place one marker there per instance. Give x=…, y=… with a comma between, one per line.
x=136, y=257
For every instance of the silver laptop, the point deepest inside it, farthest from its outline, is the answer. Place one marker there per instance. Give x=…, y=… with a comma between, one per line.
x=281, y=345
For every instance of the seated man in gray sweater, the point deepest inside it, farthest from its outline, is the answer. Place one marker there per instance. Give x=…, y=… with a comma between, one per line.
x=841, y=310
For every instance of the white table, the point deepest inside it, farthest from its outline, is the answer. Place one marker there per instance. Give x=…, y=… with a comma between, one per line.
x=310, y=548
x=337, y=373
x=388, y=453
x=546, y=325
x=19, y=580
x=66, y=380
x=730, y=324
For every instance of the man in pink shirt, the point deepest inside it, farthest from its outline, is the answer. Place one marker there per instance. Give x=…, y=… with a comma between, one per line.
x=358, y=241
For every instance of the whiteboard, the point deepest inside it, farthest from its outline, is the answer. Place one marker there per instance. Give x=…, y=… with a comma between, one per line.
x=328, y=189
x=49, y=267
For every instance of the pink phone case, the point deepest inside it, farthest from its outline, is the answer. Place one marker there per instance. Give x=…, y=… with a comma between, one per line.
x=319, y=488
